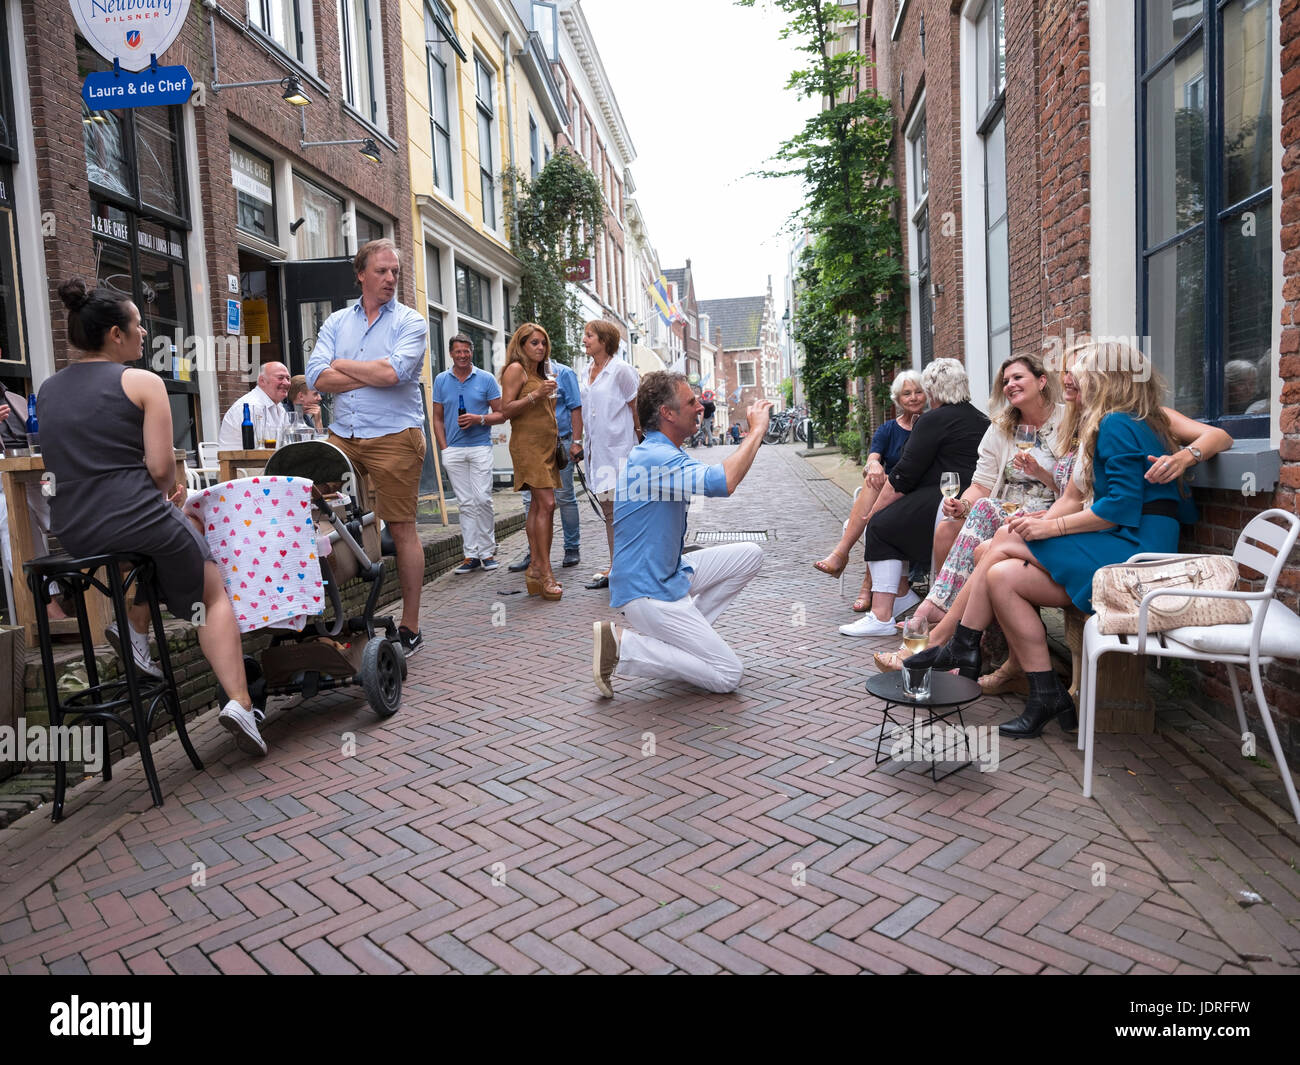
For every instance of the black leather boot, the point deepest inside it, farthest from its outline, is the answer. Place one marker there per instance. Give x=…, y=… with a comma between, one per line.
x=1048, y=698
x=961, y=653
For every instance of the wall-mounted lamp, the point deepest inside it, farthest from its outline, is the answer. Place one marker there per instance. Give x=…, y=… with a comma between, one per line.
x=295, y=226
x=369, y=149
x=935, y=290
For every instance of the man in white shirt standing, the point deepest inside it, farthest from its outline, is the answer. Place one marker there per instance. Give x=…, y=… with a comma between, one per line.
x=268, y=397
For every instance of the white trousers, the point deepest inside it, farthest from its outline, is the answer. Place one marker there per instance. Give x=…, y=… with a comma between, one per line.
x=470, y=472
x=676, y=641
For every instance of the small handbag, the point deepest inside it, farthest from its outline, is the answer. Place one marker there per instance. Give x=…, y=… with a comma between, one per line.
x=561, y=456
x=1117, y=592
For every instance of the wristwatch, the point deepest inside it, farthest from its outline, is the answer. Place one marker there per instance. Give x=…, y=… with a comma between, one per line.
x=482, y=419
x=1195, y=452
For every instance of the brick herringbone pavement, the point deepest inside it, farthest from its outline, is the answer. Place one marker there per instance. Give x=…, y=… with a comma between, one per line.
x=508, y=819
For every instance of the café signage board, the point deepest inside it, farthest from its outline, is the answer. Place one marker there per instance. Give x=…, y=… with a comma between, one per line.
x=130, y=31
x=113, y=90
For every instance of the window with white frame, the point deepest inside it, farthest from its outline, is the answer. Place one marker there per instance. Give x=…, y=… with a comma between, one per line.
x=484, y=100
x=288, y=24
x=990, y=110
x=441, y=46
x=745, y=371
x=918, y=167
x=361, y=57
x=437, y=310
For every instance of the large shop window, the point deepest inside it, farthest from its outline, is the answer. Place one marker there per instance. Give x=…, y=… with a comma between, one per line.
x=438, y=38
x=483, y=90
x=990, y=109
x=474, y=300
x=253, y=177
x=361, y=57
x=1205, y=205
x=13, y=343
x=139, y=218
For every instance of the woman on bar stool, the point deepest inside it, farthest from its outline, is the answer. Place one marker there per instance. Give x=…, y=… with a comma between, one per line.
x=106, y=436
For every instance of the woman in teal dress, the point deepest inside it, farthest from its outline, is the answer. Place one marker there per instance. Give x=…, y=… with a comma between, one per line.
x=1049, y=558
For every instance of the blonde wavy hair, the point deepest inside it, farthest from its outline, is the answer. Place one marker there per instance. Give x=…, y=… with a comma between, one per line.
x=1116, y=378
x=515, y=349
x=1003, y=414
x=1067, y=432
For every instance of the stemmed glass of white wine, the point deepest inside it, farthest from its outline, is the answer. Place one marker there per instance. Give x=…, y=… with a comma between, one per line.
x=950, y=486
x=916, y=634
x=1026, y=437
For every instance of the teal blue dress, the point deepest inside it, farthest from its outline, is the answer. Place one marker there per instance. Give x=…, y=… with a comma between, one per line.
x=1123, y=496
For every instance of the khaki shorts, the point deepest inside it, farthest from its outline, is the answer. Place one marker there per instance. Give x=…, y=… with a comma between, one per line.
x=393, y=464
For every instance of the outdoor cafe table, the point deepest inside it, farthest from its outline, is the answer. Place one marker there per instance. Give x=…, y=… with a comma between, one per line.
x=231, y=462
x=16, y=472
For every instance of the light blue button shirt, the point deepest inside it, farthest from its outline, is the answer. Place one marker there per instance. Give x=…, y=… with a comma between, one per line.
x=569, y=398
x=650, y=503
x=399, y=335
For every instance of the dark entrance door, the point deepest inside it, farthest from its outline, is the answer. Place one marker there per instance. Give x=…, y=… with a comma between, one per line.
x=313, y=290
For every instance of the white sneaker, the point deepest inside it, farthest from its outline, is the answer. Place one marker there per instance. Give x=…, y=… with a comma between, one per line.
x=139, y=650
x=869, y=625
x=905, y=602
x=243, y=724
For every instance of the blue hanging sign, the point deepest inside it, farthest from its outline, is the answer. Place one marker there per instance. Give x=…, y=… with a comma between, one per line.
x=155, y=86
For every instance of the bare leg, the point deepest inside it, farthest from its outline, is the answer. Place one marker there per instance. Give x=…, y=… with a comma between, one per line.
x=219, y=637
x=410, y=570
x=852, y=533
x=978, y=611
x=1016, y=594
x=541, y=531
x=945, y=534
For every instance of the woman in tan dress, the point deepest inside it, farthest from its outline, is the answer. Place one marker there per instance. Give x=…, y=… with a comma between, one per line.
x=528, y=402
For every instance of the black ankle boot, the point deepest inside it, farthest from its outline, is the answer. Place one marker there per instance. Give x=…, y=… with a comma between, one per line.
x=1048, y=698
x=961, y=653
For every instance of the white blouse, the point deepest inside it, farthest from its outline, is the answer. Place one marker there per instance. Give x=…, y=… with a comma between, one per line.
x=609, y=432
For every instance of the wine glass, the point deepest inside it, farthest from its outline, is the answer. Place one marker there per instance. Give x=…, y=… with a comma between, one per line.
x=916, y=634
x=950, y=486
x=1026, y=437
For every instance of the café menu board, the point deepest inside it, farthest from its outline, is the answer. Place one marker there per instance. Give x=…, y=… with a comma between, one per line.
x=130, y=31
x=117, y=229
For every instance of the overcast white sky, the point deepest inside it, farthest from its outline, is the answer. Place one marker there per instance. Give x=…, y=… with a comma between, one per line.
x=700, y=85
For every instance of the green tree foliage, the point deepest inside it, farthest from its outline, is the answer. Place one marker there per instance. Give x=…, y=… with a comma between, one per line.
x=853, y=271
x=554, y=220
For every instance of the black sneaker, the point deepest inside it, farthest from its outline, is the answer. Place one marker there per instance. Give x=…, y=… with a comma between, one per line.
x=410, y=641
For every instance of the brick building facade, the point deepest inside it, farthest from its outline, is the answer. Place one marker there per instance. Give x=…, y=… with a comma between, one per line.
x=1028, y=209
x=748, y=359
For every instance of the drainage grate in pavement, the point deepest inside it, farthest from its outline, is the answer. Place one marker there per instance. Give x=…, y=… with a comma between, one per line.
x=731, y=537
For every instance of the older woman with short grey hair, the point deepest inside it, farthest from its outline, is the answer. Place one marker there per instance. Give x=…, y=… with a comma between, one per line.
x=900, y=528
x=886, y=448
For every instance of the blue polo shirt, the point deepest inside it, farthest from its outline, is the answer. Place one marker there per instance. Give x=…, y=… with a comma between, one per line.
x=570, y=398
x=479, y=389
x=650, y=503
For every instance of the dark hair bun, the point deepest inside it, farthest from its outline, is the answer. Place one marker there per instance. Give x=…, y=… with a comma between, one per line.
x=73, y=293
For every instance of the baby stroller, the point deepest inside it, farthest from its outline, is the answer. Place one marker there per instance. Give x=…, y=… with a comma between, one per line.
x=334, y=650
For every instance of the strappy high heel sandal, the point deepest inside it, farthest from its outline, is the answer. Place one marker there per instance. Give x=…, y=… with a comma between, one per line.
x=532, y=582
x=825, y=566
x=551, y=589
x=863, y=602
x=1008, y=677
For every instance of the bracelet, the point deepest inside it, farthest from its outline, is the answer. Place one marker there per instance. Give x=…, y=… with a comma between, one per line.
x=482, y=419
x=1060, y=526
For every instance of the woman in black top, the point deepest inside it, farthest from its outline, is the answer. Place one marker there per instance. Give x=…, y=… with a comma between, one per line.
x=900, y=530
x=106, y=435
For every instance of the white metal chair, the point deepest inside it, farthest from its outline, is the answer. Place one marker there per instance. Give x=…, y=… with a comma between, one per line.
x=1274, y=632
x=209, y=468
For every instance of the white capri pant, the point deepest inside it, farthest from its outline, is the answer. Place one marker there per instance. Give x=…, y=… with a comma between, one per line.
x=676, y=641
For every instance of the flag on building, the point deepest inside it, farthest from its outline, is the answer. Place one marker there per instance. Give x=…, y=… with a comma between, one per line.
x=667, y=308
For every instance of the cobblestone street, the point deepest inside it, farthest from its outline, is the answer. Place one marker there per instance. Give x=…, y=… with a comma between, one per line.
x=508, y=819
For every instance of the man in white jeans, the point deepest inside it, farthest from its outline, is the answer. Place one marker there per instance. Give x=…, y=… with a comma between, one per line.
x=671, y=605
x=466, y=400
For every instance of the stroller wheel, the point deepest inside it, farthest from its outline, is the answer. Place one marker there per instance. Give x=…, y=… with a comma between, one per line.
x=381, y=676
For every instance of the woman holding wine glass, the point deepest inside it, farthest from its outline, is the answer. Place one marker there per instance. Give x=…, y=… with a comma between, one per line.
x=528, y=402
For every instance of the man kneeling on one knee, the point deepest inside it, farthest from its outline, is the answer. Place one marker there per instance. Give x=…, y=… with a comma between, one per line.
x=670, y=604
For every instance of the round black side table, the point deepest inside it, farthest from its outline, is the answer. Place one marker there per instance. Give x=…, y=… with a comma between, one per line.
x=950, y=693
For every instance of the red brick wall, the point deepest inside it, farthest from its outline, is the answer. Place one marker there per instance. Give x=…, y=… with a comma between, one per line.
x=727, y=360
x=56, y=104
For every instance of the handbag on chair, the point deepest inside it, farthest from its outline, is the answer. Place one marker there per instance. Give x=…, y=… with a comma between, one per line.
x=1117, y=593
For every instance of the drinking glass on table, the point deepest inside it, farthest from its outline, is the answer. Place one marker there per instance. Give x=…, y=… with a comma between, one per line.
x=916, y=636
x=950, y=486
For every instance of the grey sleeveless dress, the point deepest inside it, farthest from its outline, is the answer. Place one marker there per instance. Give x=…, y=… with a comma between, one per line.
x=104, y=501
